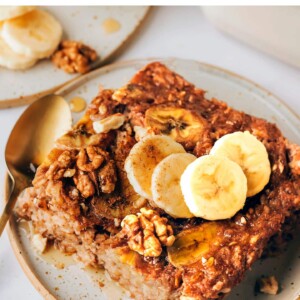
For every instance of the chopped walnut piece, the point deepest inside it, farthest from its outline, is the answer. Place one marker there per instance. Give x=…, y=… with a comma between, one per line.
x=74, y=57
x=95, y=169
x=39, y=242
x=69, y=173
x=58, y=169
x=102, y=109
x=84, y=184
x=294, y=156
x=140, y=132
x=268, y=285
x=147, y=232
x=108, y=177
x=110, y=123
x=91, y=158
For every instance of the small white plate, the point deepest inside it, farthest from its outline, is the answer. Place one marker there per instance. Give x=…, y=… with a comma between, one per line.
x=74, y=283
x=80, y=23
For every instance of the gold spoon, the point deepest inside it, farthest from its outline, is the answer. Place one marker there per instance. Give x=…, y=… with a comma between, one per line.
x=30, y=141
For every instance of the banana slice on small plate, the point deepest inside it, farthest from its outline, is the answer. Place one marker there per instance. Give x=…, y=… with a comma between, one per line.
x=144, y=157
x=35, y=34
x=12, y=60
x=251, y=154
x=214, y=187
x=9, y=12
x=165, y=186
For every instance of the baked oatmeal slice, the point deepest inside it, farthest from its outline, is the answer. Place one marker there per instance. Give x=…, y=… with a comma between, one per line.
x=83, y=186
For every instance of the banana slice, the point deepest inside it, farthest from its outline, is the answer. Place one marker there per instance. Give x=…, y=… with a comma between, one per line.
x=193, y=244
x=165, y=185
x=251, y=154
x=180, y=124
x=12, y=60
x=9, y=12
x=143, y=158
x=214, y=187
x=35, y=34
x=110, y=123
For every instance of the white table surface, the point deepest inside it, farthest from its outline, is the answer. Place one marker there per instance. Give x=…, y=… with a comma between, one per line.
x=167, y=32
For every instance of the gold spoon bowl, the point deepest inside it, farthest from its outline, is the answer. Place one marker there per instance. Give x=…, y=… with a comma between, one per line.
x=29, y=143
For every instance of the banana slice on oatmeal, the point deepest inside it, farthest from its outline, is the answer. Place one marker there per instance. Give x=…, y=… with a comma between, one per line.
x=144, y=157
x=165, y=186
x=182, y=125
x=214, y=187
x=192, y=245
x=251, y=154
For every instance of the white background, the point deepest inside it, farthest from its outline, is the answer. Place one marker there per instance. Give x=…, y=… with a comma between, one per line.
x=168, y=31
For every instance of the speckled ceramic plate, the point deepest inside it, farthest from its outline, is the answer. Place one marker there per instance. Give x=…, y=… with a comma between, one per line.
x=80, y=23
x=73, y=282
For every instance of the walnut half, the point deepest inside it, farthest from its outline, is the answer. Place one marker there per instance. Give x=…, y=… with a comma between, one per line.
x=268, y=285
x=74, y=57
x=147, y=232
x=95, y=170
x=91, y=169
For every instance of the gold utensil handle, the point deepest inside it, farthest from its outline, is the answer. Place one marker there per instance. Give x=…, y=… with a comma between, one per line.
x=7, y=212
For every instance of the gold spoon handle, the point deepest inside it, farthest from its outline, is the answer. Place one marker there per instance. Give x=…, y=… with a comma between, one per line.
x=8, y=209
